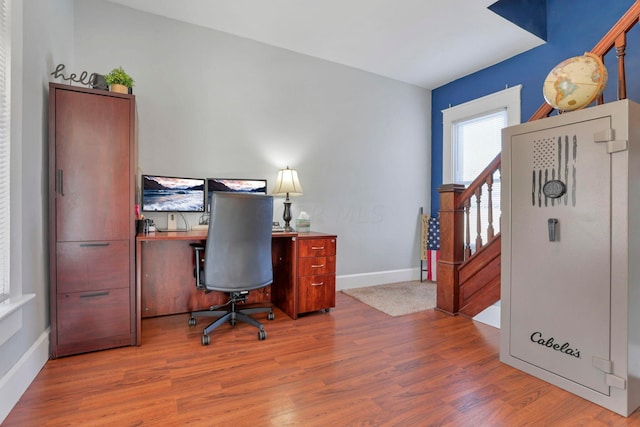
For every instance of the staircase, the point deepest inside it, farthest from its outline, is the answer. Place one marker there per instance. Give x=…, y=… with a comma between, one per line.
x=469, y=270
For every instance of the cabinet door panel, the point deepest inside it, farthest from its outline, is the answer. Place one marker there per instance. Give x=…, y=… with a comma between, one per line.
x=317, y=293
x=92, y=166
x=93, y=316
x=85, y=266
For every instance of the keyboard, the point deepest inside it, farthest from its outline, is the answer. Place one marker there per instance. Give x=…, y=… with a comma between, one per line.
x=200, y=227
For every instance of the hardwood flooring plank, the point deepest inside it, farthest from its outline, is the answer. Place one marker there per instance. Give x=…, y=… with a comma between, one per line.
x=354, y=366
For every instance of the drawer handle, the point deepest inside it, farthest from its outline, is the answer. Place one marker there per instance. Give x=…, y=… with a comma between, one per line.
x=317, y=284
x=317, y=266
x=317, y=248
x=88, y=245
x=59, y=186
x=95, y=294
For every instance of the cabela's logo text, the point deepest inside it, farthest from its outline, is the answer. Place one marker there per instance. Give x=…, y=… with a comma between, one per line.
x=550, y=342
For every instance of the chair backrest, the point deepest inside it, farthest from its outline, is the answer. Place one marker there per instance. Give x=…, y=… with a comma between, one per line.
x=238, y=249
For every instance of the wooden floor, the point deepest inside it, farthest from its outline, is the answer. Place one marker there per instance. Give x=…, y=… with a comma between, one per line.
x=354, y=366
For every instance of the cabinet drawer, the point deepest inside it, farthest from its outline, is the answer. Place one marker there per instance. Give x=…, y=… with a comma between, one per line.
x=87, y=266
x=316, y=293
x=316, y=265
x=93, y=317
x=316, y=247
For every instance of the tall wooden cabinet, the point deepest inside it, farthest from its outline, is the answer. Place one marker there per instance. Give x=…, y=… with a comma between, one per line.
x=92, y=170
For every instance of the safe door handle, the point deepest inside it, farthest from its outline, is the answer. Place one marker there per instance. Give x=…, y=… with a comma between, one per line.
x=552, y=223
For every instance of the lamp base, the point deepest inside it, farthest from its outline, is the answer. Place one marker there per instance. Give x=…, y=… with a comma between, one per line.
x=286, y=216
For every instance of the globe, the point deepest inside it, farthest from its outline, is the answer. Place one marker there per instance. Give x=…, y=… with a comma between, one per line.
x=575, y=82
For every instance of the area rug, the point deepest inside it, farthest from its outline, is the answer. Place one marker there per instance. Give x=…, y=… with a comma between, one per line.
x=397, y=299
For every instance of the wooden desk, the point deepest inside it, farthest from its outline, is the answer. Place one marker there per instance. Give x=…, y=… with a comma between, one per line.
x=303, y=278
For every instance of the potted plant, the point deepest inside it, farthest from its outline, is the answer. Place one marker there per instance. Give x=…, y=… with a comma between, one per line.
x=118, y=80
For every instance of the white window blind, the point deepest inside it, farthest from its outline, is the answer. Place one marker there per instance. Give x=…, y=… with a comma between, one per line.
x=477, y=142
x=5, y=143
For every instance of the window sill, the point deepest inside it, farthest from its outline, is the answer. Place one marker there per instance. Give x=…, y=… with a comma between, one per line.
x=12, y=304
x=11, y=316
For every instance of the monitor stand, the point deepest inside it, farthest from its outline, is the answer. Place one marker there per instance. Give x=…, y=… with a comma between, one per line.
x=172, y=223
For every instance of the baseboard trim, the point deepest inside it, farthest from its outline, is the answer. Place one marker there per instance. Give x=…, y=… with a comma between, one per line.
x=15, y=382
x=350, y=281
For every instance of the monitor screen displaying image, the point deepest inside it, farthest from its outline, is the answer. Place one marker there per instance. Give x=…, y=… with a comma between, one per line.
x=172, y=194
x=236, y=185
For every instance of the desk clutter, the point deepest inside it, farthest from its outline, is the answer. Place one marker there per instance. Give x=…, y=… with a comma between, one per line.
x=303, y=222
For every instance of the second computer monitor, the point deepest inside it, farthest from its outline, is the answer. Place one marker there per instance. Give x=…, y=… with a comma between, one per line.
x=235, y=185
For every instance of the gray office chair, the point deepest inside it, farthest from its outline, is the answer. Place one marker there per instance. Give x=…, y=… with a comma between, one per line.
x=236, y=258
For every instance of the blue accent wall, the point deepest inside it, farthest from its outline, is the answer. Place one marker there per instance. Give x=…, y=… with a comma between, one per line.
x=528, y=14
x=573, y=27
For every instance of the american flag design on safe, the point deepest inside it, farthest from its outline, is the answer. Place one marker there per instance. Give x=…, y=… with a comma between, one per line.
x=553, y=177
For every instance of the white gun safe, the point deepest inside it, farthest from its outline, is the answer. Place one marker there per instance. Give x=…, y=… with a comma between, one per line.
x=571, y=252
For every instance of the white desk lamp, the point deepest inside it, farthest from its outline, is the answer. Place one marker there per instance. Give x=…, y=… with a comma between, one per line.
x=287, y=183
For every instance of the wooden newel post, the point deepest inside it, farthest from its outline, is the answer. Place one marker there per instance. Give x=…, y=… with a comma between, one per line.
x=451, y=248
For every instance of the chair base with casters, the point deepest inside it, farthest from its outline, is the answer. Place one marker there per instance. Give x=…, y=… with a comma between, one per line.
x=232, y=315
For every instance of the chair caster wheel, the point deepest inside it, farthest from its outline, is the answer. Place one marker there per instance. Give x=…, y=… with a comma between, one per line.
x=262, y=335
x=233, y=322
x=192, y=321
x=326, y=310
x=271, y=316
x=206, y=340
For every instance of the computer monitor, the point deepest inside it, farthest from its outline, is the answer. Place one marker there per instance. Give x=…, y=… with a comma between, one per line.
x=172, y=194
x=235, y=185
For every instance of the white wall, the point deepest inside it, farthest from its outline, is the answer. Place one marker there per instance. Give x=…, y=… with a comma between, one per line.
x=215, y=105
x=45, y=39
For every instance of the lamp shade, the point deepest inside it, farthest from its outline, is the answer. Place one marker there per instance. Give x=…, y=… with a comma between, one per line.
x=287, y=182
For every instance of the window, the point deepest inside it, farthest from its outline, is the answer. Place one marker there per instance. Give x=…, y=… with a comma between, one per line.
x=5, y=143
x=476, y=143
x=472, y=139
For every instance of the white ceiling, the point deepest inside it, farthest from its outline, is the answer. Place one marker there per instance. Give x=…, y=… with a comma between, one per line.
x=427, y=43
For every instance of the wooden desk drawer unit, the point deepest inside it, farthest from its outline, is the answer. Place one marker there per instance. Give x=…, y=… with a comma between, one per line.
x=316, y=273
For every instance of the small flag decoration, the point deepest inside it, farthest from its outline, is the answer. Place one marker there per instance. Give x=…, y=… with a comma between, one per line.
x=433, y=247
